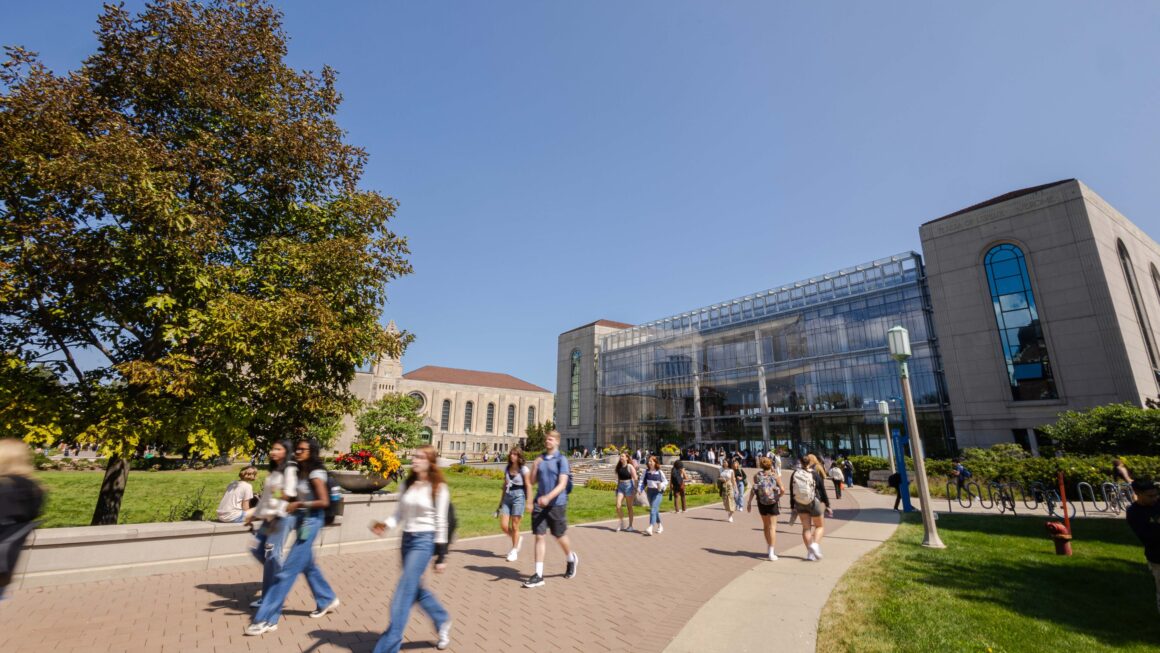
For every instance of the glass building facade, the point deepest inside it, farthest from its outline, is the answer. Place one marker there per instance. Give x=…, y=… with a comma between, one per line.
x=801, y=366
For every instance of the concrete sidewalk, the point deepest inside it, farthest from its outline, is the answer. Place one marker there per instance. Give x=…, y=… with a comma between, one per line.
x=783, y=600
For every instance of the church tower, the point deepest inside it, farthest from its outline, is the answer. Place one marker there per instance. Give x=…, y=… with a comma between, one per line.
x=390, y=367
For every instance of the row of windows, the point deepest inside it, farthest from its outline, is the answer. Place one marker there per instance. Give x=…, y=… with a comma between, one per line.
x=489, y=425
x=478, y=447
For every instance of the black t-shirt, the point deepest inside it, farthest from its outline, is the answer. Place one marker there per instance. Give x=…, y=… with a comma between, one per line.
x=1145, y=522
x=623, y=473
x=20, y=500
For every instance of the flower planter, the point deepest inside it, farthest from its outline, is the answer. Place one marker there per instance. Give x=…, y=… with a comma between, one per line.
x=670, y=458
x=357, y=482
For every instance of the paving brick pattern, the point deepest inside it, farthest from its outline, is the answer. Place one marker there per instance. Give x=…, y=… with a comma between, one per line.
x=633, y=593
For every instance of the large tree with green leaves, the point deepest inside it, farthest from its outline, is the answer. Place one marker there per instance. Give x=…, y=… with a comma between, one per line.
x=186, y=256
x=394, y=419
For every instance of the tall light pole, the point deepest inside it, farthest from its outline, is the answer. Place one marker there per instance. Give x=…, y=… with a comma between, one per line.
x=884, y=411
x=899, y=340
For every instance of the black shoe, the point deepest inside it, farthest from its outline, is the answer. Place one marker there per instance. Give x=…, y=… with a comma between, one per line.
x=572, y=565
x=535, y=581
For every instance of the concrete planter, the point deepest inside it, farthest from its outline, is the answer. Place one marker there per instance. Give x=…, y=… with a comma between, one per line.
x=668, y=459
x=359, y=483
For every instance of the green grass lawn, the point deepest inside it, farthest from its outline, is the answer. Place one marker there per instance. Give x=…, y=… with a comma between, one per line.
x=998, y=587
x=152, y=496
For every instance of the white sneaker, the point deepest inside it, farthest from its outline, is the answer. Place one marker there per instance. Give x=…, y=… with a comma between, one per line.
x=810, y=556
x=730, y=519
x=256, y=603
x=254, y=630
x=444, y=636
x=648, y=531
x=772, y=556
x=660, y=529
x=816, y=549
x=619, y=526
x=513, y=555
x=318, y=614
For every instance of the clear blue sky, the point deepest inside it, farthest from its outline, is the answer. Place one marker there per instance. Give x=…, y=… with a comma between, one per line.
x=558, y=163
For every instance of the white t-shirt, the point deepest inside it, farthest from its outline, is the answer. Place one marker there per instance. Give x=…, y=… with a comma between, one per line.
x=417, y=513
x=237, y=499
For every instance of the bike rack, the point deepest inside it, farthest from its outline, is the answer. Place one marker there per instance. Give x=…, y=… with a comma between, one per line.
x=979, y=493
x=959, y=497
x=1111, y=493
x=1091, y=492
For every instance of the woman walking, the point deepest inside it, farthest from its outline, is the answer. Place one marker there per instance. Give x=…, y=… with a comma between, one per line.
x=625, y=490
x=727, y=486
x=837, y=476
x=308, y=515
x=767, y=489
x=21, y=500
x=739, y=474
x=424, y=501
x=808, y=496
x=654, y=484
x=679, y=478
x=279, y=488
x=514, y=499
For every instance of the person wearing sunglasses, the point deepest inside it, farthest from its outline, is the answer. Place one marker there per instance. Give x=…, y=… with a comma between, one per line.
x=308, y=511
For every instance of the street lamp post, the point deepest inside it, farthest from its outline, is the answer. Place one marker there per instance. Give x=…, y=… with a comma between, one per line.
x=899, y=341
x=884, y=411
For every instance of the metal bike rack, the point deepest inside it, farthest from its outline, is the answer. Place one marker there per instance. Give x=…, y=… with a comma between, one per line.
x=1091, y=492
x=1111, y=493
x=983, y=503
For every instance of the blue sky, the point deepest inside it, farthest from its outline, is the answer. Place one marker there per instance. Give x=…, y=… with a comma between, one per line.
x=558, y=163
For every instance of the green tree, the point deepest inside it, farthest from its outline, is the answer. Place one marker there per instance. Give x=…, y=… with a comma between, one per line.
x=396, y=418
x=184, y=245
x=1113, y=429
x=536, y=434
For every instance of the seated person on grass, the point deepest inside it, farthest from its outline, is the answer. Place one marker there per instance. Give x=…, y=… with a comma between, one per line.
x=235, y=505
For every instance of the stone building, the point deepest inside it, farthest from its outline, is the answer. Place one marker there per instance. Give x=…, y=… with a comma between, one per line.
x=464, y=411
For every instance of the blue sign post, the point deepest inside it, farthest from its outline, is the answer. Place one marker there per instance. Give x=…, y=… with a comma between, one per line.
x=901, y=442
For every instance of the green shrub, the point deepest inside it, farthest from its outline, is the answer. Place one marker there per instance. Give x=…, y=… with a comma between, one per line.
x=1124, y=428
x=597, y=484
x=986, y=466
x=482, y=472
x=863, y=465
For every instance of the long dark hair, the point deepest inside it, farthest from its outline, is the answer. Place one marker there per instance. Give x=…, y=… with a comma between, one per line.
x=520, y=462
x=288, y=447
x=315, y=460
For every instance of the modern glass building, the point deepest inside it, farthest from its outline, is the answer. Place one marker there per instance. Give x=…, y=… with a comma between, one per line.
x=802, y=365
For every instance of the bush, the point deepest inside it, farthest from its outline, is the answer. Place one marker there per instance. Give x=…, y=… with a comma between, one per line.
x=597, y=484
x=671, y=450
x=988, y=465
x=482, y=472
x=610, y=450
x=1125, y=428
x=863, y=465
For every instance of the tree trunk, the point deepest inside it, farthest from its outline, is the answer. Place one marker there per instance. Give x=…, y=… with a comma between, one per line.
x=112, y=490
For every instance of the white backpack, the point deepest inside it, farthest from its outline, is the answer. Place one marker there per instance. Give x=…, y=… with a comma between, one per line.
x=804, y=489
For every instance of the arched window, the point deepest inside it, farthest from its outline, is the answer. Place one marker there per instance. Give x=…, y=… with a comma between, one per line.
x=1020, y=333
x=445, y=416
x=574, y=416
x=1138, y=304
x=468, y=413
x=511, y=419
x=531, y=415
x=489, y=427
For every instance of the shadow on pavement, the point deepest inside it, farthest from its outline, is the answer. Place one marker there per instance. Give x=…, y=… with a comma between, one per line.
x=333, y=638
x=499, y=573
x=735, y=554
x=235, y=596
x=479, y=553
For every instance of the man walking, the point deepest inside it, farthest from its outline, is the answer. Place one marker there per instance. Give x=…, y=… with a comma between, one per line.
x=550, y=473
x=1144, y=518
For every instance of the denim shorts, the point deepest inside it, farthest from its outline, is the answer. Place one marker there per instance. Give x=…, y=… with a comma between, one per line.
x=514, y=503
x=626, y=488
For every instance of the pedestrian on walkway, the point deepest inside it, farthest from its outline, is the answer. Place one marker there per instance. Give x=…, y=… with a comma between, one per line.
x=895, y=481
x=550, y=474
x=279, y=488
x=848, y=467
x=21, y=499
x=654, y=484
x=739, y=474
x=727, y=486
x=767, y=489
x=679, y=478
x=793, y=513
x=513, y=499
x=1144, y=519
x=308, y=512
x=626, y=483
x=962, y=475
x=837, y=477
x=422, y=512
x=808, y=496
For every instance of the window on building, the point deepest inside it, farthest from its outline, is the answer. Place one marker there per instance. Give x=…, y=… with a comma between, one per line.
x=468, y=413
x=490, y=425
x=445, y=416
x=1021, y=335
x=574, y=404
x=511, y=419
x=1138, y=305
x=531, y=415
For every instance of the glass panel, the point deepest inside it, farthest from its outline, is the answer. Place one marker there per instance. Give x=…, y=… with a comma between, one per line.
x=1020, y=334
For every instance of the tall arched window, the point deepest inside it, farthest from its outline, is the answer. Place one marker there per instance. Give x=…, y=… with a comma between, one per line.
x=490, y=425
x=445, y=416
x=1138, y=304
x=511, y=419
x=574, y=404
x=468, y=413
x=531, y=415
x=1020, y=333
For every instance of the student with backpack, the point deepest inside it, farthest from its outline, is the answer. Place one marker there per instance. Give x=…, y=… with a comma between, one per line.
x=848, y=468
x=727, y=487
x=654, y=484
x=424, y=512
x=553, y=479
x=679, y=478
x=767, y=489
x=513, y=499
x=962, y=475
x=808, y=496
x=837, y=477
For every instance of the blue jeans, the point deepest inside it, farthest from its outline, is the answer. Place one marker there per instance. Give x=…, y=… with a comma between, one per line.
x=269, y=549
x=654, y=506
x=740, y=493
x=418, y=548
x=300, y=560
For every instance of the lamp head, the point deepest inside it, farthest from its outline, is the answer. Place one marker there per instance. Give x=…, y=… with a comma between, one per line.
x=883, y=408
x=899, y=341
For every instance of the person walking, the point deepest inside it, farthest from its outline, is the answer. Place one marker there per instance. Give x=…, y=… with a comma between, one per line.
x=626, y=482
x=848, y=468
x=279, y=488
x=551, y=475
x=711, y=457
x=895, y=481
x=727, y=486
x=767, y=490
x=808, y=496
x=739, y=475
x=679, y=478
x=514, y=499
x=21, y=500
x=793, y=513
x=654, y=484
x=837, y=477
x=308, y=512
x=962, y=475
x=1144, y=520
x=422, y=512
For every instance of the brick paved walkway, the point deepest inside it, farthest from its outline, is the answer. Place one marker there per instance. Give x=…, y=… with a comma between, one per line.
x=633, y=593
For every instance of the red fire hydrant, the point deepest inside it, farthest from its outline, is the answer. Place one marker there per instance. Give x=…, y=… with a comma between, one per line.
x=1059, y=534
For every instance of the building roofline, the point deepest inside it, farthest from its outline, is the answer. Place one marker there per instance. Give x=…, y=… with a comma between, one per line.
x=999, y=199
x=479, y=378
x=604, y=323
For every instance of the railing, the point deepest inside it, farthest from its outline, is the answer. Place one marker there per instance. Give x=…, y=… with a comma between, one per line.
x=1112, y=498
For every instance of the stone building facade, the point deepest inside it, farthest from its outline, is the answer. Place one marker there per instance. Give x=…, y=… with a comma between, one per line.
x=577, y=355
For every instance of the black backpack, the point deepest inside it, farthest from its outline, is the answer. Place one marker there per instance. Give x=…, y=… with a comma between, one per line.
x=336, y=507
x=452, y=522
